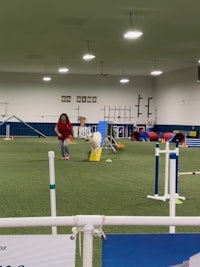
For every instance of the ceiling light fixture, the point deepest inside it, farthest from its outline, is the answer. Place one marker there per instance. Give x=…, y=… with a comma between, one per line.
x=124, y=80
x=88, y=56
x=63, y=69
x=46, y=77
x=198, y=73
x=156, y=71
x=132, y=34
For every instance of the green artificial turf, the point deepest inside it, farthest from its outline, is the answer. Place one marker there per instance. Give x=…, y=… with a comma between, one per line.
x=119, y=187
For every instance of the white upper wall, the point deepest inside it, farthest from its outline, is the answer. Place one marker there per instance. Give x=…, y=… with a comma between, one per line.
x=177, y=98
x=32, y=100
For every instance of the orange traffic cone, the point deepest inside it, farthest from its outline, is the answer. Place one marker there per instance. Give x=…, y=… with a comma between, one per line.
x=183, y=144
x=120, y=145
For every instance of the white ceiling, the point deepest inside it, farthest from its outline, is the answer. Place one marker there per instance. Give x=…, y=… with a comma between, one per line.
x=36, y=34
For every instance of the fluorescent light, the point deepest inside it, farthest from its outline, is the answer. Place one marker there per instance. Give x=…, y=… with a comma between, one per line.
x=131, y=35
x=63, y=70
x=88, y=57
x=156, y=72
x=46, y=78
x=124, y=80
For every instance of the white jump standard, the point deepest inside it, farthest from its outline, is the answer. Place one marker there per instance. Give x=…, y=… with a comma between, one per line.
x=167, y=152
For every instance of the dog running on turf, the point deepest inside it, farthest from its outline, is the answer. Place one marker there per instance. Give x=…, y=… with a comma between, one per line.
x=94, y=140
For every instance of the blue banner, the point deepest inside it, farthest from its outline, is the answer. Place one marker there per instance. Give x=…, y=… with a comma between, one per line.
x=151, y=250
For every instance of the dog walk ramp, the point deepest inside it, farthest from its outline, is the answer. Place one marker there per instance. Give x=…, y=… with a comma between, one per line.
x=25, y=123
x=102, y=128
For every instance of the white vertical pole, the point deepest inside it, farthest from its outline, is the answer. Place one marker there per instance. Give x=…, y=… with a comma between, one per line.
x=7, y=131
x=88, y=245
x=172, y=203
x=51, y=156
x=166, y=192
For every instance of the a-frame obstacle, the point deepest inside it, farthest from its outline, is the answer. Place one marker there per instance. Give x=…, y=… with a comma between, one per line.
x=110, y=142
x=107, y=141
x=25, y=123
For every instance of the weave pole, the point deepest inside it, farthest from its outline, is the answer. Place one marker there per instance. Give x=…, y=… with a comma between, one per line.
x=172, y=200
x=156, y=170
x=51, y=156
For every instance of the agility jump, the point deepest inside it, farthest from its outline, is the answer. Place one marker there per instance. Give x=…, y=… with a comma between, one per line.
x=167, y=152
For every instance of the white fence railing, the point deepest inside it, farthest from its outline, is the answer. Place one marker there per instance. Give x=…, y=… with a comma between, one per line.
x=93, y=225
x=96, y=221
